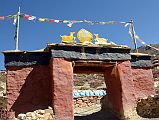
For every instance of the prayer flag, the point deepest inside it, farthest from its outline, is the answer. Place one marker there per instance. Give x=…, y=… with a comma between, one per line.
x=26, y=16
x=2, y=17
x=42, y=19
x=51, y=20
x=31, y=18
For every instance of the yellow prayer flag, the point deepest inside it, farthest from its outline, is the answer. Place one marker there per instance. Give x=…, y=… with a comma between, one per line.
x=65, y=21
x=42, y=19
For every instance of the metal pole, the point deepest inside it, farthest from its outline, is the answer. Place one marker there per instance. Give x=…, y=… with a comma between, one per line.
x=17, y=30
x=133, y=35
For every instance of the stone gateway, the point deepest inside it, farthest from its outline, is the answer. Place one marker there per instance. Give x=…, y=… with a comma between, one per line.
x=38, y=79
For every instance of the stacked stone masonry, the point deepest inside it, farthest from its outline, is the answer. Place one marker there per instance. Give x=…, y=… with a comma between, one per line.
x=156, y=73
x=86, y=101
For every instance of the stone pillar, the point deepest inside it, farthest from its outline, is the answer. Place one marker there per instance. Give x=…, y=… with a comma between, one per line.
x=120, y=89
x=62, y=86
x=28, y=89
x=143, y=82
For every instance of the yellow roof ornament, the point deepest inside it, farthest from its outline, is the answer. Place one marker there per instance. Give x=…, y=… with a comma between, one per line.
x=99, y=40
x=84, y=36
x=69, y=39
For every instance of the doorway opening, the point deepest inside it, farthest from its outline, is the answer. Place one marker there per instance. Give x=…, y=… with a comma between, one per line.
x=89, y=90
x=90, y=97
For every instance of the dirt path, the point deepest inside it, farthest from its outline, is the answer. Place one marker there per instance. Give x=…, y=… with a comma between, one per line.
x=92, y=113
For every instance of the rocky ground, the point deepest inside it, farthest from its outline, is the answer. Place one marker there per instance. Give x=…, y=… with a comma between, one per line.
x=149, y=107
x=46, y=114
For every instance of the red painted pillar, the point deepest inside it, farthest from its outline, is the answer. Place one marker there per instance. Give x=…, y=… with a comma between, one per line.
x=120, y=88
x=143, y=82
x=62, y=85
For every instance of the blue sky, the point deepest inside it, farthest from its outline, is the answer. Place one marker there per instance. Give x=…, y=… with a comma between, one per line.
x=35, y=35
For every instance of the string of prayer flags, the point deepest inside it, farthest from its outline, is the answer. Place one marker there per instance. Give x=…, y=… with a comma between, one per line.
x=33, y=18
x=102, y=23
x=69, y=23
x=8, y=17
x=136, y=37
x=142, y=42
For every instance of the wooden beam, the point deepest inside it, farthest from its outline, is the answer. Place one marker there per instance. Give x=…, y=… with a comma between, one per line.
x=88, y=69
x=94, y=63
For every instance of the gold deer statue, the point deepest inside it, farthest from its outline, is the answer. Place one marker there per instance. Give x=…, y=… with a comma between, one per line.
x=99, y=40
x=69, y=39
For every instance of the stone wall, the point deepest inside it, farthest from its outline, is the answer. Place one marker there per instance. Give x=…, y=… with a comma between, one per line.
x=86, y=101
x=156, y=73
x=89, y=81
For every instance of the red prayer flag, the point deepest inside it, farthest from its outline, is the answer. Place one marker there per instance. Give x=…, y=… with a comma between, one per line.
x=51, y=20
x=26, y=16
x=2, y=17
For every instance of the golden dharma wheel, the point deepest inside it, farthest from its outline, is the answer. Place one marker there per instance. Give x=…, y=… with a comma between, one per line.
x=84, y=36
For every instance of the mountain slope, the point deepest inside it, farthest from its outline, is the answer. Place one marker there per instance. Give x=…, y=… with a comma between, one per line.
x=149, y=50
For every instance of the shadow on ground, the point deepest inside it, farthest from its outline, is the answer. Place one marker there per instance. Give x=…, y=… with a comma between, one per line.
x=101, y=115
